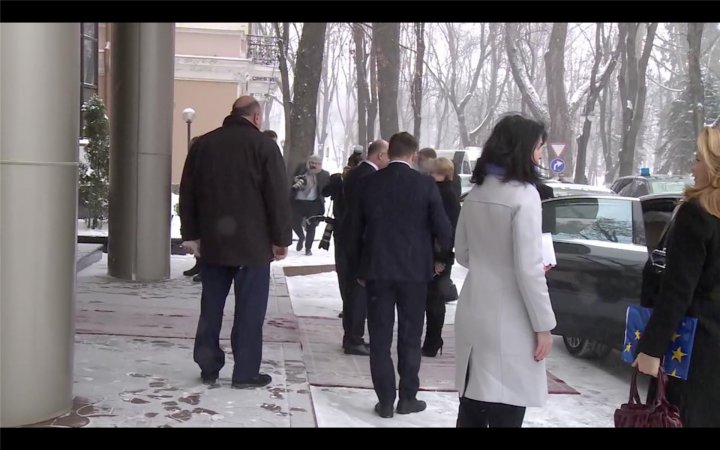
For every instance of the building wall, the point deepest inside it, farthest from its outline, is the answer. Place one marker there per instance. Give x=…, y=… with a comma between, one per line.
x=211, y=101
x=205, y=44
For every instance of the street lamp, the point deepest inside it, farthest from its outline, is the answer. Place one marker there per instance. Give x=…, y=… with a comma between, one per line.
x=188, y=117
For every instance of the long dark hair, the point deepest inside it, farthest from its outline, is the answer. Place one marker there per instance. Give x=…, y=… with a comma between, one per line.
x=510, y=147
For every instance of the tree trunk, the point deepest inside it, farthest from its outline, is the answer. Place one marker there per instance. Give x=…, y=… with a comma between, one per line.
x=283, y=39
x=373, y=106
x=363, y=99
x=441, y=120
x=633, y=90
x=303, y=119
x=697, y=91
x=386, y=40
x=417, y=88
x=560, y=127
x=520, y=75
x=596, y=86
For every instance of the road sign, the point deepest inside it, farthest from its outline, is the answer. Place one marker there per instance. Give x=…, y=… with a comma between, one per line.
x=559, y=149
x=557, y=165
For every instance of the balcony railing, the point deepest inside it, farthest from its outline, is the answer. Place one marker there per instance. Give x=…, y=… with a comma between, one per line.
x=263, y=50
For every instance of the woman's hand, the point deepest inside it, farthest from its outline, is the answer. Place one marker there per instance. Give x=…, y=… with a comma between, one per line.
x=544, y=345
x=649, y=365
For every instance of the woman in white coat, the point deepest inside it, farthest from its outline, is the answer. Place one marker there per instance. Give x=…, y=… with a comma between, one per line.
x=504, y=316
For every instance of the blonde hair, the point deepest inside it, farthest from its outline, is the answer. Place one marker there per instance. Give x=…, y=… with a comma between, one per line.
x=708, y=195
x=445, y=167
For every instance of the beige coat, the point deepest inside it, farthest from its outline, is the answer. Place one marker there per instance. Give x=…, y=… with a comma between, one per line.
x=504, y=299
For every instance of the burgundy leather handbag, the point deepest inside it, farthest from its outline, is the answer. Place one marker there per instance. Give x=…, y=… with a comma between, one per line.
x=657, y=414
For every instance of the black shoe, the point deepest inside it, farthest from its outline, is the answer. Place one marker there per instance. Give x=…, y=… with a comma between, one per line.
x=261, y=380
x=197, y=278
x=299, y=246
x=308, y=252
x=385, y=411
x=340, y=315
x=194, y=271
x=210, y=382
x=410, y=406
x=359, y=349
x=431, y=351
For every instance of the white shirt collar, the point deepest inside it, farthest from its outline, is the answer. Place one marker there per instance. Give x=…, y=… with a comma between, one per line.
x=371, y=163
x=401, y=161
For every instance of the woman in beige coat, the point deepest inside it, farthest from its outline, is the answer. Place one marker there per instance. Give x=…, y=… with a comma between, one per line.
x=504, y=316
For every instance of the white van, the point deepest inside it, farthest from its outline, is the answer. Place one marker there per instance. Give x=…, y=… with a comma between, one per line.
x=464, y=160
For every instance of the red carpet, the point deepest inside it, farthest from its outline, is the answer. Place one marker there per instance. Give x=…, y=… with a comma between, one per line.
x=328, y=366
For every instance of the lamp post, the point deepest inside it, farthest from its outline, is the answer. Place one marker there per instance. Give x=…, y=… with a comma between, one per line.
x=188, y=117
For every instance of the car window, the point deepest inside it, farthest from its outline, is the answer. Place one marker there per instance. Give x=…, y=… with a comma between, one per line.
x=656, y=215
x=618, y=185
x=669, y=186
x=589, y=218
x=466, y=167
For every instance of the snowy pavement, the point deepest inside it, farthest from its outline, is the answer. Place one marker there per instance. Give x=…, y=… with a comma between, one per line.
x=134, y=366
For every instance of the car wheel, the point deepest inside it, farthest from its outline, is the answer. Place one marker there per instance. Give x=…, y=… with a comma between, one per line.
x=585, y=348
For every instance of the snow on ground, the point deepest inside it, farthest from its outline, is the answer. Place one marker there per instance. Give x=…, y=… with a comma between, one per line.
x=603, y=385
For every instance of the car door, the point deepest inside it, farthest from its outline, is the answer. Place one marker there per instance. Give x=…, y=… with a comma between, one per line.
x=599, y=264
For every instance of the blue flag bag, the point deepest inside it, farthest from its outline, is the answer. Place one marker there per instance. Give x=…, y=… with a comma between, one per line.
x=676, y=361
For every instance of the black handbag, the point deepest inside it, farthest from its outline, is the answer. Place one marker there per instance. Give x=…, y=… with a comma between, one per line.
x=445, y=288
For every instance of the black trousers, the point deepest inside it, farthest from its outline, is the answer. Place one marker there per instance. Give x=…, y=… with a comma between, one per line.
x=383, y=296
x=435, y=314
x=302, y=209
x=252, y=285
x=477, y=414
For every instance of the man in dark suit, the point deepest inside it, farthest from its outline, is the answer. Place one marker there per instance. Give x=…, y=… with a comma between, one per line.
x=401, y=214
x=355, y=298
x=235, y=215
x=309, y=181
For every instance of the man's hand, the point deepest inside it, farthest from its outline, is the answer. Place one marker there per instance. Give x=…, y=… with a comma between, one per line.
x=544, y=345
x=439, y=268
x=279, y=253
x=649, y=365
x=548, y=267
x=361, y=282
x=192, y=247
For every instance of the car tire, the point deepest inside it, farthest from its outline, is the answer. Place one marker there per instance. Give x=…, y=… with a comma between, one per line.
x=585, y=348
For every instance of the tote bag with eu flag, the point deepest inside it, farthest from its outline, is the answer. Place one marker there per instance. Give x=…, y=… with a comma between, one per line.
x=676, y=361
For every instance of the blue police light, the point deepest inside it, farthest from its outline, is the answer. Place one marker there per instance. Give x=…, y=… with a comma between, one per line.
x=645, y=171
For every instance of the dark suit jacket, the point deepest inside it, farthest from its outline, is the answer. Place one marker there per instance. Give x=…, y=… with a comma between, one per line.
x=352, y=191
x=400, y=215
x=233, y=195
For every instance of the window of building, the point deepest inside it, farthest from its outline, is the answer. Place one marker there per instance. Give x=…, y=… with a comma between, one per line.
x=88, y=66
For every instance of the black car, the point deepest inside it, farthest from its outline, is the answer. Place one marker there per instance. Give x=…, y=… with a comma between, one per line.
x=640, y=185
x=601, y=246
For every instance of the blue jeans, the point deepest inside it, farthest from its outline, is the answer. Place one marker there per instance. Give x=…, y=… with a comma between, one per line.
x=252, y=286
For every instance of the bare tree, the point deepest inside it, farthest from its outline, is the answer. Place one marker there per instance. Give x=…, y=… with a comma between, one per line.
x=458, y=92
x=520, y=74
x=417, y=87
x=596, y=86
x=633, y=88
x=303, y=115
x=491, y=100
x=386, y=40
x=560, y=126
x=363, y=96
x=697, y=91
x=282, y=32
x=334, y=44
